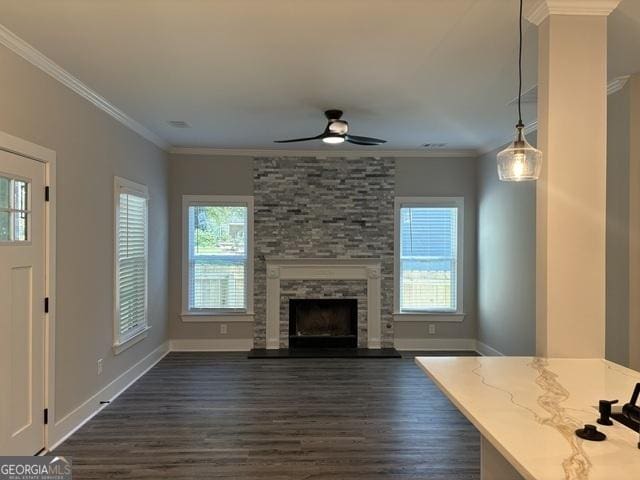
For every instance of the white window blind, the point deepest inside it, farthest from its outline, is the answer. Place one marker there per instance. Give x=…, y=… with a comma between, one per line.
x=217, y=257
x=131, y=260
x=428, y=260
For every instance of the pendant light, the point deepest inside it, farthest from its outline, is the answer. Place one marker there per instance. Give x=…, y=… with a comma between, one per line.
x=519, y=161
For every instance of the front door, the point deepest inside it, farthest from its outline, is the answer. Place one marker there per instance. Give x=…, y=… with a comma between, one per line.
x=22, y=292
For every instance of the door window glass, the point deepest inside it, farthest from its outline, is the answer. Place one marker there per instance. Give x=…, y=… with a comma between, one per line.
x=15, y=214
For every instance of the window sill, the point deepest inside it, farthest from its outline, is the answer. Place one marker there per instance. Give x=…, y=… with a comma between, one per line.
x=208, y=317
x=118, y=348
x=428, y=316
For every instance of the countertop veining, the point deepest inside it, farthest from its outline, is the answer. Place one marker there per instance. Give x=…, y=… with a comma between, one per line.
x=529, y=409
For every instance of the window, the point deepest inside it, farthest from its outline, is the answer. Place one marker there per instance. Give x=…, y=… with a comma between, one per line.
x=429, y=255
x=15, y=215
x=131, y=218
x=217, y=258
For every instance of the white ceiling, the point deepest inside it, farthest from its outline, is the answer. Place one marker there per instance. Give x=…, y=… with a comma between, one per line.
x=246, y=72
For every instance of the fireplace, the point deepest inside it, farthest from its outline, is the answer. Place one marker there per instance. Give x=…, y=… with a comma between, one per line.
x=323, y=323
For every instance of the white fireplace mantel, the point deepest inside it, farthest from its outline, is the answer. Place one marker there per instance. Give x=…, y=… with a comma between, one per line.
x=323, y=269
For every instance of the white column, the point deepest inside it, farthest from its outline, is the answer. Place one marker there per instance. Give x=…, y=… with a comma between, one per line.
x=571, y=200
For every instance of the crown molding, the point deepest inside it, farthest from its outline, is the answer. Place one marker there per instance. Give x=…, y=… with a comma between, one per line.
x=613, y=86
x=617, y=84
x=531, y=127
x=267, y=152
x=44, y=63
x=537, y=11
x=41, y=61
x=490, y=147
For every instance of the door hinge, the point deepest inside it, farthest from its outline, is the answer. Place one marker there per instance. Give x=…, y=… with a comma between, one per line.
x=46, y=305
x=46, y=194
x=46, y=416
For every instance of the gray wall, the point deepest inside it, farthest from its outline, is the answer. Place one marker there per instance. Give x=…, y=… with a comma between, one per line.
x=201, y=175
x=617, y=307
x=506, y=249
x=91, y=149
x=207, y=175
x=444, y=177
x=506, y=261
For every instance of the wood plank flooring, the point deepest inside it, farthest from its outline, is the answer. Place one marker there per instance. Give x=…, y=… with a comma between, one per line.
x=223, y=416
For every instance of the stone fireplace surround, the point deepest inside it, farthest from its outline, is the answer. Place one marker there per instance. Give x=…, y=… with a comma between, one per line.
x=319, y=215
x=319, y=270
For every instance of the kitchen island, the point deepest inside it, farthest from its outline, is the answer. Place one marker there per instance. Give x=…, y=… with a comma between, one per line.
x=527, y=410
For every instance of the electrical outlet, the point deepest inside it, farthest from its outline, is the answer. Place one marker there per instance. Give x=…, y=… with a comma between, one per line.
x=223, y=329
x=432, y=329
x=99, y=366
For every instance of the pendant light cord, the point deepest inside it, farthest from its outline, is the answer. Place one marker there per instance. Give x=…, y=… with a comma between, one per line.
x=520, y=70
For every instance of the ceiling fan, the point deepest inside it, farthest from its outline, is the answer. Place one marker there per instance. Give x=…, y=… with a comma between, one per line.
x=336, y=132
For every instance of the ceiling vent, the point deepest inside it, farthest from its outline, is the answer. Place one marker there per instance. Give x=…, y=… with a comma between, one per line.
x=434, y=146
x=179, y=124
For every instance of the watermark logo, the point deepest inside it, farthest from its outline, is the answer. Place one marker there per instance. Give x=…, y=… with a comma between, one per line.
x=35, y=468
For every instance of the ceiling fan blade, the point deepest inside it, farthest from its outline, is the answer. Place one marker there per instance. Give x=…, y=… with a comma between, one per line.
x=351, y=140
x=299, y=139
x=369, y=140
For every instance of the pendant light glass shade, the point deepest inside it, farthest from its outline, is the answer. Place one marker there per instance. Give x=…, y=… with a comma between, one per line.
x=520, y=161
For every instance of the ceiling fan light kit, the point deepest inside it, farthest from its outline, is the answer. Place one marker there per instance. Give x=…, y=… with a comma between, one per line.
x=337, y=132
x=520, y=161
x=333, y=139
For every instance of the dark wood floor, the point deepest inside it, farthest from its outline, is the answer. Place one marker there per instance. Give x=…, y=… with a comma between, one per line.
x=209, y=415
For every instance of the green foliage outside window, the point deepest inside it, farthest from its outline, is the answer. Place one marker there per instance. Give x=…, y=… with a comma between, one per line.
x=219, y=230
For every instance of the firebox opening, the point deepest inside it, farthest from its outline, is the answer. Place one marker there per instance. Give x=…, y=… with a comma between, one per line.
x=323, y=323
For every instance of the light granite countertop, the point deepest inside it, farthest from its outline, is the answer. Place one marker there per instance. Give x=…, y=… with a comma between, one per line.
x=528, y=408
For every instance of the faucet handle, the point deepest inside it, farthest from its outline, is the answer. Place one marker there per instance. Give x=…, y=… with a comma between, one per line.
x=631, y=410
x=636, y=393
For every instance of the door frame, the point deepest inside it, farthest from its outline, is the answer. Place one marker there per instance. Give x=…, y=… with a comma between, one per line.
x=24, y=148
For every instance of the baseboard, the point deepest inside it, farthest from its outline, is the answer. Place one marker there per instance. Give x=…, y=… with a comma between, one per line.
x=66, y=426
x=487, y=351
x=211, y=345
x=447, y=344
x=435, y=344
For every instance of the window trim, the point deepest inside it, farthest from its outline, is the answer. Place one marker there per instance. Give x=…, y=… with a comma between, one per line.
x=215, y=315
x=120, y=344
x=456, y=315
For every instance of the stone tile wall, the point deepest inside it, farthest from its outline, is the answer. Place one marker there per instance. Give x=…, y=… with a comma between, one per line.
x=323, y=208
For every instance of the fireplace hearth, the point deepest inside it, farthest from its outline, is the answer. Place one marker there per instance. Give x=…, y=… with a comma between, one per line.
x=323, y=323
